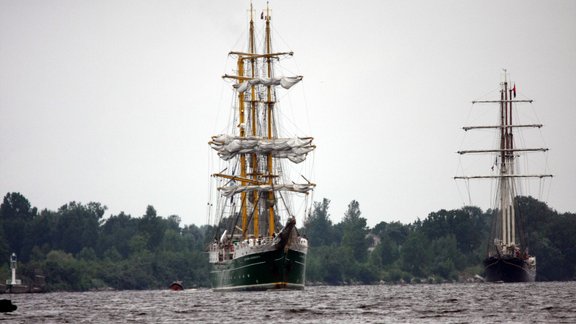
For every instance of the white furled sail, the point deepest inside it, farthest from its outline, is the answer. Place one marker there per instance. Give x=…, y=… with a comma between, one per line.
x=294, y=149
x=296, y=187
x=284, y=82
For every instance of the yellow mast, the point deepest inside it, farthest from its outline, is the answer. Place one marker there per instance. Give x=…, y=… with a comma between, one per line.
x=271, y=197
x=241, y=125
x=253, y=113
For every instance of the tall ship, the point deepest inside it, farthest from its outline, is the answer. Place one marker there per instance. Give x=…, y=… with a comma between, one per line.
x=508, y=257
x=258, y=187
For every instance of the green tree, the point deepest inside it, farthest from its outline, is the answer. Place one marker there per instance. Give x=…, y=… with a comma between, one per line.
x=117, y=232
x=153, y=227
x=354, y=232
x=78, y=226
x=318, y=226
x=16, y=215
x=446, y=258
x=415, y=256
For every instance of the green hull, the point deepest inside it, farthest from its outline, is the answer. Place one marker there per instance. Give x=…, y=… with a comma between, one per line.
x=261, y=271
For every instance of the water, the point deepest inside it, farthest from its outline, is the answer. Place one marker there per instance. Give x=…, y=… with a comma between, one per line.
x=448, y=303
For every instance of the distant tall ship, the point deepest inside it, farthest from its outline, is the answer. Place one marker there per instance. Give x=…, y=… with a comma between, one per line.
x=508, y=258
x=254, y=193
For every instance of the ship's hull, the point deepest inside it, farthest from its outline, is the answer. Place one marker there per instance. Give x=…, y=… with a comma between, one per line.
x=273, y=269
x=508, y=269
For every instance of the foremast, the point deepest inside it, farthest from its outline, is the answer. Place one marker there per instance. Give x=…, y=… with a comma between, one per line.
x=257, y=144
x=506, y=240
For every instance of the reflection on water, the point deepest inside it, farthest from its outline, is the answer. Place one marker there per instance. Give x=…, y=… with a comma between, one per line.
x=483, y=303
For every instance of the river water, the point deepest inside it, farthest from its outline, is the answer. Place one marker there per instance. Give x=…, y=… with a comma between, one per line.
x=553, y=302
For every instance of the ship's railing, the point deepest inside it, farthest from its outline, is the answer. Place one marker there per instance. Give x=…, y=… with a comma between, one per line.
x=299, y=244
x=221, y=252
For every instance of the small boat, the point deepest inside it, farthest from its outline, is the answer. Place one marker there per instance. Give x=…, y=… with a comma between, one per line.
x=6, y=306
x=176, y=286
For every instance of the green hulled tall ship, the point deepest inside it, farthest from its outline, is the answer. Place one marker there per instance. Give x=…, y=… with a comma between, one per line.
x=257, y=190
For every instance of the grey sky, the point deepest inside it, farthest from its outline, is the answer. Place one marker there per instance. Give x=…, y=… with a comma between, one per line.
x=115, y=101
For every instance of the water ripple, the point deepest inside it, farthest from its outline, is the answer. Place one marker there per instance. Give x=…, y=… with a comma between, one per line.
x=447, y=303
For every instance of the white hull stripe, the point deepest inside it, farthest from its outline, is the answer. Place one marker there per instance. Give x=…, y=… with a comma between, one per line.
x=248, y=265
x=261, y=286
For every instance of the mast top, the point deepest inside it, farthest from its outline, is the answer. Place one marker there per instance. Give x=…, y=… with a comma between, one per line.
x=504, y=75
x=267, y=16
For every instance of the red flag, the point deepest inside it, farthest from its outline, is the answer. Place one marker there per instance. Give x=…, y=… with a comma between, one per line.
x=514, y=90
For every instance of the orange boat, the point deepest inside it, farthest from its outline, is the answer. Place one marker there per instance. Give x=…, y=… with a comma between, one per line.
x=176, y=286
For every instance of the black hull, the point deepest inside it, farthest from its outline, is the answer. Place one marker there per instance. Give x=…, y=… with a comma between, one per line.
x=508, y=269
x=275, y=269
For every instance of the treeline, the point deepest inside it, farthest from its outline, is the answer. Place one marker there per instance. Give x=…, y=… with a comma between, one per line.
x=445, y=246
x=75, y=248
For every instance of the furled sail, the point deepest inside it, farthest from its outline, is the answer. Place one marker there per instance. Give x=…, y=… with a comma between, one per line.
x=285, y=82
x=296, y=187
x=294, y=149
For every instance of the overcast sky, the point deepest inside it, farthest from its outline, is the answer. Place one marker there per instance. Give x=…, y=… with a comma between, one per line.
x=114, y=101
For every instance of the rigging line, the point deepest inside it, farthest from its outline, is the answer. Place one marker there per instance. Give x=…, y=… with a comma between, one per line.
x=305, y=206
x=278, y=36
x=540, y=188
x=460, y=193
x=231, y=217
x=486, y=112
x=222, y=85
x=253, y=209
x=285, y=204
x=491, y=191
x=469, y=195
x=549, y=189
x=290, y=122
x=237, y=216
x=217, y=229
x=468, y=122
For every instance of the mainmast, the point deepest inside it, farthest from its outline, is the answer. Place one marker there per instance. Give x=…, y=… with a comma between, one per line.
x=255, y=174
x=506, y=168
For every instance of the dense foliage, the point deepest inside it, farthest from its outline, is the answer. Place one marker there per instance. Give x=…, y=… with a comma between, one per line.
x=445, y=246
x=76, y=248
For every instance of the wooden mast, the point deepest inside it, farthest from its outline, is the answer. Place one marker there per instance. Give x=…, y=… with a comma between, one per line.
x=255, y=173
x=270, y=104
x=241, y=126
x=244, y=208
